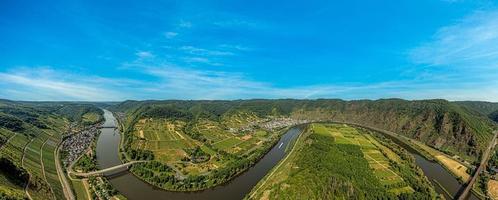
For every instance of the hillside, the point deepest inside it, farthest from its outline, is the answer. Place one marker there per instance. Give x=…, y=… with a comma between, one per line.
x=447, y=126
x=482, y=107
x=29, y=134
x=337, y=161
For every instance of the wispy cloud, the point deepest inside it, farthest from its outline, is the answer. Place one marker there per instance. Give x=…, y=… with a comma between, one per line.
x=144, y=54
x=43, y=83
x=204, y=52
x=178, y=82
x=471, y=42
x=170, y=35
x=201, y=60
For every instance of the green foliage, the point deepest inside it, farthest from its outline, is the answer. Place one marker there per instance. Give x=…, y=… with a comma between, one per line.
x=75, y=112
x=14, y=174
x=330, y=162
x=197, y=155
x=434, y=122
x=86, y=163
x=10, y=122
x=138, y=154
x=494, y=116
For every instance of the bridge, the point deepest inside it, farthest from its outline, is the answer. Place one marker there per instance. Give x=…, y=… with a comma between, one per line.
x=102, y=171
x=485, y=156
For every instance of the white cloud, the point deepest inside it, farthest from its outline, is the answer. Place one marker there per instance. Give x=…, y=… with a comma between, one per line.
x=189, y=83
x=170, y=35
x=47, y=84
x=471, y=42
x=167, y=81
x=144, y=54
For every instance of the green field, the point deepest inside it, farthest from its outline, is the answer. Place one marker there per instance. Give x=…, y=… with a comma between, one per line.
x=79, y=190
x=227, y=143
x=223, y=150
x=335, y=161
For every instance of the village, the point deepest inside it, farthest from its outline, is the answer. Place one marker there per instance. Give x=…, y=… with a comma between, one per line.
x=76, y=144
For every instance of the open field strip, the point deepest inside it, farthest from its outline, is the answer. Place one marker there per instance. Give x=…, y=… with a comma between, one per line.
x=227, y=143
x=50, y=168
x=43, y=168
x=455, y=167
x=26, y=189
x=80, y=189
x=374, y=156
x=338, y=151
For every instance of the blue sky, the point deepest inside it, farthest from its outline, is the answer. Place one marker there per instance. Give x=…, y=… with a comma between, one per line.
x=117, y=50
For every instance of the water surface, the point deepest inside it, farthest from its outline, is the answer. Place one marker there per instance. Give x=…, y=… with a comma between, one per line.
x=134, y=188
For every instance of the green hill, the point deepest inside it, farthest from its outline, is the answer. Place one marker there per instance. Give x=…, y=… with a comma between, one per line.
x=29, y=134
x=448, y=126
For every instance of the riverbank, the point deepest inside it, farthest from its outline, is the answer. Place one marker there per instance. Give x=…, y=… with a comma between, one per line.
x=451, y=183
x=292, y=145
x=454, y=167
x=133, y=188
x=228, y=163
x=326, y=153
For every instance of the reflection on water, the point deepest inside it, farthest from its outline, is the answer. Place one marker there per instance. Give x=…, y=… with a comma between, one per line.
x=434, y=171
x=133, y=188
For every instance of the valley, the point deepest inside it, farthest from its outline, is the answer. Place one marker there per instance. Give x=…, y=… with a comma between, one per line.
x=340, y=161
x=257, y=149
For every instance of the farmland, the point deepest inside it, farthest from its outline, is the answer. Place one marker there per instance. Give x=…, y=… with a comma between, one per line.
x=339, y=161
x=196, y=155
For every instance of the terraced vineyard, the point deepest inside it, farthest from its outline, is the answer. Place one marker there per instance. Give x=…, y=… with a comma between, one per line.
x=340, y=161
x=30, y=133
x=36, y=155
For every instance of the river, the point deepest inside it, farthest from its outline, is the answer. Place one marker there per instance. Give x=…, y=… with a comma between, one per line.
x=134, y=188
x=435, y=172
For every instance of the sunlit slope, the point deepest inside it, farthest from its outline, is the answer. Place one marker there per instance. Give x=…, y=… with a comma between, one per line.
x=29, y=133
x=447, y=126
x=336, y=161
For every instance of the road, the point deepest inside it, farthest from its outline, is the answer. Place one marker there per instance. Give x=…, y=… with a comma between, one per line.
x=87, y=174
x=22, y=164
x=66, y=187
x=485, y=156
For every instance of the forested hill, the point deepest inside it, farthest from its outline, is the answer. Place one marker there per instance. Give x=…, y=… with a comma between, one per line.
x=86, y=113
x=486, y=108
x=448, y=126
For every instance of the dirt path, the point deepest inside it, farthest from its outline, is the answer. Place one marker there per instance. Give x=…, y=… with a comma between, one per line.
x=66, y=187
x=22, y=165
